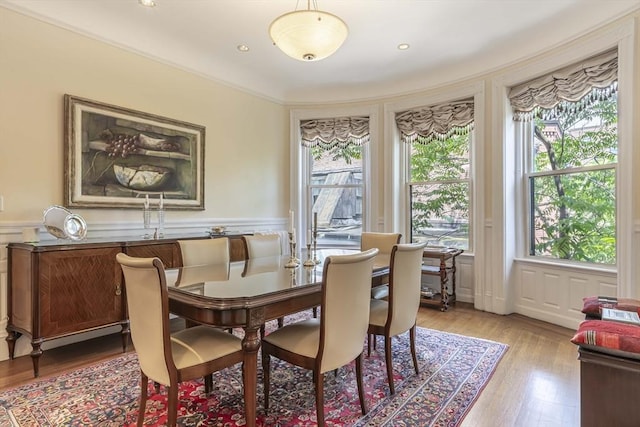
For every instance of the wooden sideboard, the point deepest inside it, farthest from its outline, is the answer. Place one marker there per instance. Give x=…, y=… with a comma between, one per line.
x=63, y=288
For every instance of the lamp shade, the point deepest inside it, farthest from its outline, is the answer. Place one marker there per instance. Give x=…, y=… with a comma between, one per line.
x=308, y=35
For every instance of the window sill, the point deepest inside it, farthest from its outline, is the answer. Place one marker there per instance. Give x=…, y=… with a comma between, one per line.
x=602, y=269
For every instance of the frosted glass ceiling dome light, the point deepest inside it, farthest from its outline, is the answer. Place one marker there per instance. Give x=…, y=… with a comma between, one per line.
x=308, y=35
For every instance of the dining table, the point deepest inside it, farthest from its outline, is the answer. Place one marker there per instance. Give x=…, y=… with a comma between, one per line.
x=246, y=294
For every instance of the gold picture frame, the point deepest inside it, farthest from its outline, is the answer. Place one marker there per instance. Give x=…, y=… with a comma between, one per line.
x=117, y=158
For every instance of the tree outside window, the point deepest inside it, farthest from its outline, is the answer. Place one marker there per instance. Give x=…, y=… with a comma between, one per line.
x=440, y=191
x=572, y=183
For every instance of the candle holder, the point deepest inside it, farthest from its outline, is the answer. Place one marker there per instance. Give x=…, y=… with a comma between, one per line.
x=146, y=217
x=309, y=262
x=315, y=246
x=160, y=231
x=293, y=261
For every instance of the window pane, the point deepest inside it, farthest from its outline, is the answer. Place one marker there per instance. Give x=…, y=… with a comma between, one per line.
x=336, y=194
x=440, y=214
x=441, y=160
x=574, y=216
x=577, y=138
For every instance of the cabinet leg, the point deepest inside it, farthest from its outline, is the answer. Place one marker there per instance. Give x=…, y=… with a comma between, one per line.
x=35, y=354
x=12, y=337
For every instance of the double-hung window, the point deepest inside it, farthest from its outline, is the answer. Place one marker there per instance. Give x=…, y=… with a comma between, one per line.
x=335, y=151
x=567, y=125
x=438, y=142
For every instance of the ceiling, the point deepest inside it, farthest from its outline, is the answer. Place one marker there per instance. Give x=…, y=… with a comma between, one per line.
x=450, y=39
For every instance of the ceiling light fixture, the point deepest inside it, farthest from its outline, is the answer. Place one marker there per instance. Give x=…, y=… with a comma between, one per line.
x=308, y=35
x=148, y=3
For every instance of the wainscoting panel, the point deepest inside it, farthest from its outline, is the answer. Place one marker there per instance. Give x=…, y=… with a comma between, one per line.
x=465, y=278
x=529, y=285
x=551, y=286
x=554, y=293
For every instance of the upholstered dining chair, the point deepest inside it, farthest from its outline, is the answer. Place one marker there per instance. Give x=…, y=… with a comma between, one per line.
x=206, y=259
x=204, y=251
x=261, y=246
x=384, y=242
x=335, y=338
x=397, y=314
x=169, y=358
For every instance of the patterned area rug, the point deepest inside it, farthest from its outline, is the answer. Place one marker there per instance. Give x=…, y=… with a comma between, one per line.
x=454, y=369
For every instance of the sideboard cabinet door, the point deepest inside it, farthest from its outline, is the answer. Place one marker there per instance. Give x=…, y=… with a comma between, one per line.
x=79, y=290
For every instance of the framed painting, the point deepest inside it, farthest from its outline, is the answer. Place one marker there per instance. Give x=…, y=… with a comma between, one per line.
x=116, y=158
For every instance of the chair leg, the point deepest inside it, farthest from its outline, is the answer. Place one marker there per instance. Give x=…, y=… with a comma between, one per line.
x=262, y=331
x=363, y=405
x=412, y=340
x=144, y=385
x=369, y=338
x=266, y=373
x=315, y=312
x=208, y=383
x=172, y=405
x=387, y=358
x=320, y=398
x=280, y=322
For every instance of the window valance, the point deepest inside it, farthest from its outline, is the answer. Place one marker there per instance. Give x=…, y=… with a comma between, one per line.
x=437, y=122
x=328, y=133
x=573, y=87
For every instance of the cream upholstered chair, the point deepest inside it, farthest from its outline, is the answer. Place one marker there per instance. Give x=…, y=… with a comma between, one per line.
x=204, y=251
x=398, y=313
x=207, y=259
x=337, y=337
x=262, y=245
x=169, y=358
x=384, y=242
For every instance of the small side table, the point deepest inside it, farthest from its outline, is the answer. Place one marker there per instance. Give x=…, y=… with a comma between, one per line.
x=447, y=257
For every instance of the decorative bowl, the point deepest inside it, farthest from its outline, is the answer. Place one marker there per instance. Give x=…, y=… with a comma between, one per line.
x=143, y=177
x=218, y=229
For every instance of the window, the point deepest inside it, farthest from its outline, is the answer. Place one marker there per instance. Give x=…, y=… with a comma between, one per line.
x=571, y=148
x=335, y=151
x=438, y=142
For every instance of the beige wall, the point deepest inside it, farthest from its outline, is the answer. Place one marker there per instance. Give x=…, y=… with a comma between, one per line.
x=246, y=154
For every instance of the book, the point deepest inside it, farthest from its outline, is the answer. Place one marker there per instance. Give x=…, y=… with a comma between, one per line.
x=609, y=300
x=621, y=316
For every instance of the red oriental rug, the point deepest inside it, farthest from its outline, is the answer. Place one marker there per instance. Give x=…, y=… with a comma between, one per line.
x=454, y=369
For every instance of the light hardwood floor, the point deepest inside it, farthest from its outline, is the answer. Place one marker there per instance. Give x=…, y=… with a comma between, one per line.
x=536, y=384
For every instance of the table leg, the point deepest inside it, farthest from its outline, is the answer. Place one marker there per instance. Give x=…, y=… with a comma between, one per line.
x=250, y=346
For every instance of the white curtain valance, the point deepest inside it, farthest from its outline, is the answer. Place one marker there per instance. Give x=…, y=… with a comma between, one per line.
x=437, y=122
x=580, y=84
x=328, y=133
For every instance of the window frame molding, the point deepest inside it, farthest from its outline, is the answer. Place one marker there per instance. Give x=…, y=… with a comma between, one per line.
x=396, y=168
x=299, y=168
x=508, y=163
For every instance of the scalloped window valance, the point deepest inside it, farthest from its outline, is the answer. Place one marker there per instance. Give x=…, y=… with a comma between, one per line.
x=437, y=122
x=574, y=87
x=341, y=131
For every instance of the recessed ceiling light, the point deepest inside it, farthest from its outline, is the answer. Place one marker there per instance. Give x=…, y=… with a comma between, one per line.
x=403, y=46
x=243, y=48
x=148, y=3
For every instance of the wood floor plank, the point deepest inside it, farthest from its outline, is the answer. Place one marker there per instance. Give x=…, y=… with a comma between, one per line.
x=536, y=384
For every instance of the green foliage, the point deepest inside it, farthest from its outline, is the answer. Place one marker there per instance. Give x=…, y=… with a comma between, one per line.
x=440, y=192
x=574, y=214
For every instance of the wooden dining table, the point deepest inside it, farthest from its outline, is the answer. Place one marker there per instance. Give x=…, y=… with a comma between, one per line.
x=246, y=294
